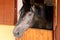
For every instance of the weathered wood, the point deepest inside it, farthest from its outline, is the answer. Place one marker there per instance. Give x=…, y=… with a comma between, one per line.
x=36, y=34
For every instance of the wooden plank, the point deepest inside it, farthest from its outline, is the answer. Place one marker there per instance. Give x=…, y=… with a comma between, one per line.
x=6, y=32
x=57, y=31
x=7, y=11
x=36, y=34
x=55, y=18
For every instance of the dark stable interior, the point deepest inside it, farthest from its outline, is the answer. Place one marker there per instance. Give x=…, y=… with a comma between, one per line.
x=48, y=14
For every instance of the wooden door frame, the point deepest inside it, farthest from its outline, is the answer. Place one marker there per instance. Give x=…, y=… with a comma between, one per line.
x=15, y=9
x=57, y=28
x=55, y=19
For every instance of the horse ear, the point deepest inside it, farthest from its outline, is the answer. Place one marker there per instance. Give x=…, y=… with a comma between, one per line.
x=33, y=8
x=23, y=1
x=26, y=1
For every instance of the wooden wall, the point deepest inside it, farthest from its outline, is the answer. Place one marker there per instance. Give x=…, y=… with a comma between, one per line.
x=7, y=12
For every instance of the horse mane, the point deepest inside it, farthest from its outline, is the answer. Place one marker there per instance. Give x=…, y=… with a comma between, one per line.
x=25, y=8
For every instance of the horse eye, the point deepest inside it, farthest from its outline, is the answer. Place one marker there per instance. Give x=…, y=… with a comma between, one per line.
x=29, y=14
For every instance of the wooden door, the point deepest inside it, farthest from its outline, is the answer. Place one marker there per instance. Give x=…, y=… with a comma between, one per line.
x=7, y=12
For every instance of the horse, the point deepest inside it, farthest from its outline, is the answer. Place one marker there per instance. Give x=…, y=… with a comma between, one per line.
x=32, y=16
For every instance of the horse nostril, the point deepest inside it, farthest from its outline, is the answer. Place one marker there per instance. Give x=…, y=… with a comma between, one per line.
x=16, y=34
